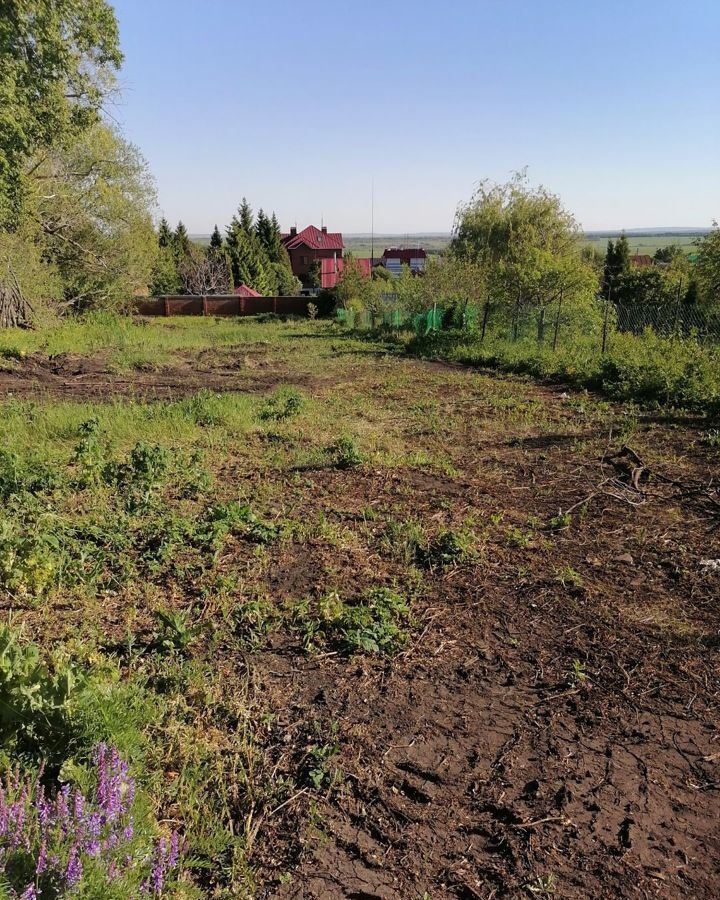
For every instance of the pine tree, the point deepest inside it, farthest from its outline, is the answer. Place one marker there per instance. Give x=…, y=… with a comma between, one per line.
x=216, y=240
x=263, y=229
x=181, y=243
x=609, y=269
x=622, y=255
x=165, y=234
x=246, y=216
x=276, y=252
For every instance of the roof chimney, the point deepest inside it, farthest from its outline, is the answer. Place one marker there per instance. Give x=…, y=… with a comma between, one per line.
x=324, y=229
x=293, y=230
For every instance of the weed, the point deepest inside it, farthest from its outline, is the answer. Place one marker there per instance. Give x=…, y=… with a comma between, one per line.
x=578, y=675
x=344, y=453
x=317, y=768
x=569, y=577
x=711, y=438
x=560, y=521
x=36, y=700
x=516, y=537
x=285, y=404
x=176, y=633
x=376, y=624
x=449, y=548
x=543, y=885
x=253, y=620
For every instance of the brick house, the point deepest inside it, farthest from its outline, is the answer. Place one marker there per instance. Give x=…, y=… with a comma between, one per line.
x=394, y=258
x=314, y=245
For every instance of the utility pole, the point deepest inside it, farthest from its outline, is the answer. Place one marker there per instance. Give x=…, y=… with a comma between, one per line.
x=372, y=225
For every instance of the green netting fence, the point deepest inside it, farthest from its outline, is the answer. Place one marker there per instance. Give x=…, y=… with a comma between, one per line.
x=551, y=324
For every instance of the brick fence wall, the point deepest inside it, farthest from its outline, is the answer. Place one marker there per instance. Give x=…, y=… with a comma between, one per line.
x=220, y=305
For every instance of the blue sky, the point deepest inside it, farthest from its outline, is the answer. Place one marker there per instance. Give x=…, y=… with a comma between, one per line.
x=614, y=105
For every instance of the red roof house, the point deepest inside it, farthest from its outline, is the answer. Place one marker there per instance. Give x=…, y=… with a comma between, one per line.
x=332, y=269
x=394, y=258
x=244, y=290
x=310, y=246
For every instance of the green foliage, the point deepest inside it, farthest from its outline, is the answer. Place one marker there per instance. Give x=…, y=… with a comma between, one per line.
x=353, y=290
x=216, y=241
x=165, y=278
x=37, y=701
x=176, y=631
x=286, y=403
x=449, y=548
x=708, y=268
x=376, y=624
x=345, y=453
x=59, y=58
x=253, y=620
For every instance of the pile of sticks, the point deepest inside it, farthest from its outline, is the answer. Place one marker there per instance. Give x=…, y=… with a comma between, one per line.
x=15, y=310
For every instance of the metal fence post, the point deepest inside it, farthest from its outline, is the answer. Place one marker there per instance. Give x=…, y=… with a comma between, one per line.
x=605, y=323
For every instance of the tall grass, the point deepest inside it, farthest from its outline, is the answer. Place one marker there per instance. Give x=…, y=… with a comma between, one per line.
x=648, y=369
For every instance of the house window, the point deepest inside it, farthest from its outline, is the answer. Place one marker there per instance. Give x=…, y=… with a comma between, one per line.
x=304, y=260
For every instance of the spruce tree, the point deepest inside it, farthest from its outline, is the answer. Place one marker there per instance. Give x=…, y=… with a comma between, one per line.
x=622, y=256
x=246, y=216
x=181, y=243
x=165, y=234
x=263, y=229
x=609, y=269
x=216, y=240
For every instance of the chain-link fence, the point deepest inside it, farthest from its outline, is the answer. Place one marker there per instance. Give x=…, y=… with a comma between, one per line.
x=552, y=324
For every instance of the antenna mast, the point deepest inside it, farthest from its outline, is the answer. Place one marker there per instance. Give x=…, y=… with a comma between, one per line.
x=372, y=224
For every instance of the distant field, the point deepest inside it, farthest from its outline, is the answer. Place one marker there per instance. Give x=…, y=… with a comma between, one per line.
x=647, y=242
x=436, y=242
x=640, y=241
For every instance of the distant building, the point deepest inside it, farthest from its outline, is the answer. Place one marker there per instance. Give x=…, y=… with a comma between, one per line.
x=315, y=245
x=244, y=290
x=394, y=258
x=641, y=261
x=331, y=269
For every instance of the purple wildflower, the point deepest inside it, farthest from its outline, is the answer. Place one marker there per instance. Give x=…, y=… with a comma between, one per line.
x=42, y=859
x=174, y=850
x=73, y=872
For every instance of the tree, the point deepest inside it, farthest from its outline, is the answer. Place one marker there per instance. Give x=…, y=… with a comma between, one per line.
x=181, y=244
x=707, y=268
x=165, y=235
x=617, y=264
x=643, y=286
x=92, y=205
x=353, y=289
x=669, y=254
x=165, y=278
x=263, y=230
x=204, y=273
x=524, y=247
x=216, y=241
x=58, y=63
x=246, y=216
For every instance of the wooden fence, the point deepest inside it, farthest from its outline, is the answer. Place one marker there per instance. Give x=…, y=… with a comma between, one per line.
x=220, y=305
